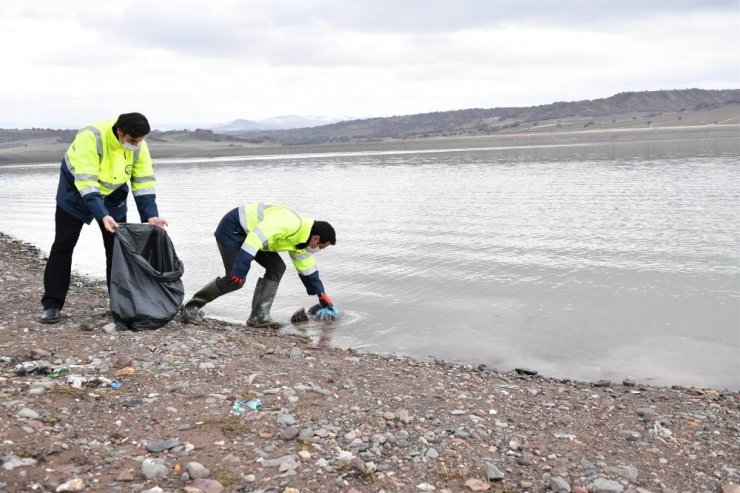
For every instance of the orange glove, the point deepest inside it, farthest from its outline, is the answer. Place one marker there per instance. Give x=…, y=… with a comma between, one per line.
x=325, y=300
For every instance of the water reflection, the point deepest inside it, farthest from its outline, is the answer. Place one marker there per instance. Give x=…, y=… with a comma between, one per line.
x=320, y=334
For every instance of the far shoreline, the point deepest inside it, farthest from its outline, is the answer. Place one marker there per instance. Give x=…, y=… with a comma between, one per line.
x=52, y=153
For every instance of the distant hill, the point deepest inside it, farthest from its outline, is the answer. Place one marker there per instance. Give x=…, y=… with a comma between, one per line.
x=624, y=109
x=628, y=110
x=199, y=135
x=8, y=137
x=24, y=137
x=241, y=125
x=275, y=123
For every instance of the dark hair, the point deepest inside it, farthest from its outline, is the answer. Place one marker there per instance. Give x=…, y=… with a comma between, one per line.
x=325, y=232
x=133, y=124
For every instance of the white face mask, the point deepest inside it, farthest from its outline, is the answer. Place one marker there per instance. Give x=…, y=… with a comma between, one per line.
x=313, y=250
x=129, y=146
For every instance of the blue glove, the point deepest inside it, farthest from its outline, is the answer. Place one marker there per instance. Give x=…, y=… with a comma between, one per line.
x=328, y=313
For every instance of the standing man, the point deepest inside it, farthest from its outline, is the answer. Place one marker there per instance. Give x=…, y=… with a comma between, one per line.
x=258, y=232
x=93, y=184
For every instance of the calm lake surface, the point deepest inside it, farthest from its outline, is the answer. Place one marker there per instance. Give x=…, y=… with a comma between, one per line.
x=580, y=261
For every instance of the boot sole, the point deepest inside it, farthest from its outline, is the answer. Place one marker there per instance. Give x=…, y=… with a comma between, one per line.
x=273, y=325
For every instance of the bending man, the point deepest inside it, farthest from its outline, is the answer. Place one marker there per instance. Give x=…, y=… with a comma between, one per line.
x=93, y=184
x=258, y=231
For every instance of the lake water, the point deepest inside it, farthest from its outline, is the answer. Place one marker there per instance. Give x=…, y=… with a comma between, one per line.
x=580, y=261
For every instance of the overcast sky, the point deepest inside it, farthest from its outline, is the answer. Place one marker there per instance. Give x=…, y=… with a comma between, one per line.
x=68, y=62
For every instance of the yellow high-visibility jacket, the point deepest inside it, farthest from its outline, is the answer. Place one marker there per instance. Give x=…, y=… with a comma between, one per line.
x=270, y=228
x=276, y=228
x=96, y=172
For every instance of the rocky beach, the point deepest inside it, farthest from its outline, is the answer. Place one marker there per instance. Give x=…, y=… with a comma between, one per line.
x=86, y=407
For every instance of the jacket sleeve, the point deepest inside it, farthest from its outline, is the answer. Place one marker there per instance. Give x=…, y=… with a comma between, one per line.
x=242, y=263
x=312, y=283
x=143, y=184
x=83, y=161
x=305, y=263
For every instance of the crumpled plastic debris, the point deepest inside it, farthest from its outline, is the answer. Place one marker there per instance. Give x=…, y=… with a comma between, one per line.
x=324, y=313
x=662, y=432
x=79, y=381
x=317, y=311
x=32, y=367
x=564, y=436
x=327, y=314
x=238, y=408
x=40, y=368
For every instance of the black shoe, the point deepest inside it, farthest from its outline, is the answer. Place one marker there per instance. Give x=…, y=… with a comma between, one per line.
x=50, y=315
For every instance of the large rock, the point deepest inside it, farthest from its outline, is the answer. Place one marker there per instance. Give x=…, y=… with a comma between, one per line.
x=602, y=485
x=559, y=485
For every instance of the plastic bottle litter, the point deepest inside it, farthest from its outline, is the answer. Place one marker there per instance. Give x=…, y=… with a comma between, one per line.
x=237, y=407
x=240, y=405
x=115, y=385
x=255, y=404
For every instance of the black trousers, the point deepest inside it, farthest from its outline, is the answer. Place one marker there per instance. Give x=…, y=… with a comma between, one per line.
x=59, y=266
x=271, y=261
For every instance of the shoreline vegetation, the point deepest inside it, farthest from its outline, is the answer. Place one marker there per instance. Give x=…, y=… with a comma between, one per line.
x=89, y=408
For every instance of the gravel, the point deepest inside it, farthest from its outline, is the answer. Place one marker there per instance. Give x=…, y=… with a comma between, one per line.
x=331, y=419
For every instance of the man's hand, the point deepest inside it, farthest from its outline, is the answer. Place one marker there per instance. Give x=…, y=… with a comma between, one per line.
x=325, y=300
x=110, y=224
x=158, y=221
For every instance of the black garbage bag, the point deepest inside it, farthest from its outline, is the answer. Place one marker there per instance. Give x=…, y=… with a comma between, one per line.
x=146, y=289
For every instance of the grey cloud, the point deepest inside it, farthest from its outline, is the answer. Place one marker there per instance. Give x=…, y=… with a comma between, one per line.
x=289, y=32
x=195, y=31
x=445, y=15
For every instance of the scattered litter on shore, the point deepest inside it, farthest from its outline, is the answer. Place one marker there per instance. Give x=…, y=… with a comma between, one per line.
x=322, y=419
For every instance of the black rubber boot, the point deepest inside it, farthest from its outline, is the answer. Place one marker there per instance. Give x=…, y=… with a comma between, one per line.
x=50, y=316
x=264, y=295
x=191, y=311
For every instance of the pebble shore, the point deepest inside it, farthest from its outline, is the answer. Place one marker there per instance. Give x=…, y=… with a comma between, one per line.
x=86, y=407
